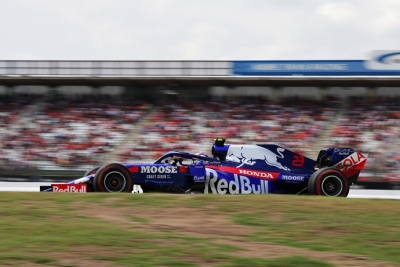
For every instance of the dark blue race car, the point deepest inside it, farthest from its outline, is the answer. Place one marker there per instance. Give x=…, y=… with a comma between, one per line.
x=232, y=169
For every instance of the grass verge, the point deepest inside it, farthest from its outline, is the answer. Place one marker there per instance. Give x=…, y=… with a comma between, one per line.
x=40, y=229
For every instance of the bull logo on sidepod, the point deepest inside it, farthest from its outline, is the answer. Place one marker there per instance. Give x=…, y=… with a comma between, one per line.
x=248, y=154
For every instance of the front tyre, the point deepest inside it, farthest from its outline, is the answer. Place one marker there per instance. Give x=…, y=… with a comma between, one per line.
x=113, y=177
x=90, y=182
x=328, y=182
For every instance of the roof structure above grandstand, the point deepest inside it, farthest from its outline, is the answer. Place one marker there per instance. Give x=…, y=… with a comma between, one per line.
x=228, y=81
x=382, y=70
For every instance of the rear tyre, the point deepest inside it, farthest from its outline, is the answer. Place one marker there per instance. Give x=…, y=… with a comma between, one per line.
x=113, y=177
x=328, y=182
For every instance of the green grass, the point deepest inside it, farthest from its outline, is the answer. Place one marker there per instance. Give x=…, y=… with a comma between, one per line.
x=280, y=262
x=367, y=227
x=74, y=229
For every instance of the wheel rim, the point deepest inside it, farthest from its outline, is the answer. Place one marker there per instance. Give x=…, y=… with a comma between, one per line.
x=114, y=182
x=332, y=186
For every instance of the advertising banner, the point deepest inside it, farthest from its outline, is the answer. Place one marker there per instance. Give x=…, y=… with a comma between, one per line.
x=381, y=63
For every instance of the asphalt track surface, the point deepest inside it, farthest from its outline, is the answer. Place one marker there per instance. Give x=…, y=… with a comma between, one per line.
x=354, y=193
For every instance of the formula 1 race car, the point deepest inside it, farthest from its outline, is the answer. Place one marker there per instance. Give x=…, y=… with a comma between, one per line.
x=232, y=169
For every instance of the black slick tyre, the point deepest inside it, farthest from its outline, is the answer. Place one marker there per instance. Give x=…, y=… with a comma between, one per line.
x=113, y=177
x=328, y=181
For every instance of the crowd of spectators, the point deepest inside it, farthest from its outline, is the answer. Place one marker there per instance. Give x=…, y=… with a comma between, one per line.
x=12, y=108
x=65, y=132
x=294, y=123
x=61, y=132
x=371, y=125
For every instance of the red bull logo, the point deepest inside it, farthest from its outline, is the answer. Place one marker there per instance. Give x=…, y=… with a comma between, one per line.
x=239, y=185
x=69, y=188
x=248, y=154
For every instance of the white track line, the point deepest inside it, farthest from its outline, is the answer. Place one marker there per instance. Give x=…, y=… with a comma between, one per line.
x=354, y=193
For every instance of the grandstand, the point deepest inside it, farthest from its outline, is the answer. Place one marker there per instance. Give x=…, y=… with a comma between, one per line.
x=54, y=127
